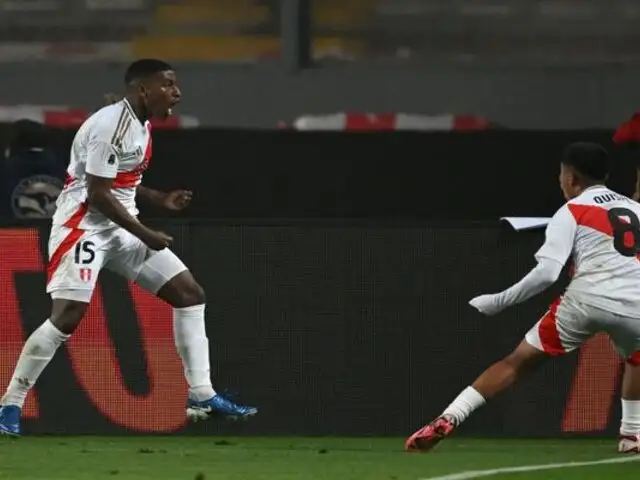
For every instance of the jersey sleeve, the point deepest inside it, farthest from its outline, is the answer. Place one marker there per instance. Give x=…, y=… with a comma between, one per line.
x=559, y=237
x=102, y=158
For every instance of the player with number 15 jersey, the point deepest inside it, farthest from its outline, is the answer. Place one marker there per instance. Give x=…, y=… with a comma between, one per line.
x=600, y=229
x=96, y=227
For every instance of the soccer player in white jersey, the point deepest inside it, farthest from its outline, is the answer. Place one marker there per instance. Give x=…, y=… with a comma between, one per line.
x=601, y=229
x=96, y=226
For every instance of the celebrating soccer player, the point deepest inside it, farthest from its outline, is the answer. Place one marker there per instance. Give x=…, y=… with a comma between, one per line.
x=96, y=226
x=601, y=229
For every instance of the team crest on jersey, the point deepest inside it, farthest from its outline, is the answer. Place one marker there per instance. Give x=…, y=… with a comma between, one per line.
x=86, y=274
x=35, y=196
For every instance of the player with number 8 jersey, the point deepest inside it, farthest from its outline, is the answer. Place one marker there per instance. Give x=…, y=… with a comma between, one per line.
x=600, y=229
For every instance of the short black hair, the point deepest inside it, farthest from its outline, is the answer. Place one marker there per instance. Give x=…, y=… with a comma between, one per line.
x=589, y=159
x=145, y=67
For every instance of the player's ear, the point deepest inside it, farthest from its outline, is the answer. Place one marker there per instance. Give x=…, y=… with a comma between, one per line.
x=576, y=179
x=141, y=88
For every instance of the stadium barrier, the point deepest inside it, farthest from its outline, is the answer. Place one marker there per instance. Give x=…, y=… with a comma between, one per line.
x=329, y=327
x=393, y=175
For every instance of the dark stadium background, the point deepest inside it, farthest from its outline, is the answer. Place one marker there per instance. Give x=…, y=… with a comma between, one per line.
x=338, y=268
x=338, y=264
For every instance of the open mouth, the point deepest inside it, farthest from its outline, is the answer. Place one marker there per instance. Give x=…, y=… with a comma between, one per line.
x=170, y=109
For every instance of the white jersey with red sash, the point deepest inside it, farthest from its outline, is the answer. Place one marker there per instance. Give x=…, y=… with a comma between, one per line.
x=112, y=143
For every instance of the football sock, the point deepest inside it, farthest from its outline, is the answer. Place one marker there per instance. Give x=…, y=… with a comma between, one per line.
x=630, y=424
x=193, y=347
x=468, y=401
x=37, y=352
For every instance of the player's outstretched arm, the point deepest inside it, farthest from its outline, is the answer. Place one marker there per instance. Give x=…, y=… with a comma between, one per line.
x=536, y=281
x=175, y=200
x=101, y=198
x=551, y=258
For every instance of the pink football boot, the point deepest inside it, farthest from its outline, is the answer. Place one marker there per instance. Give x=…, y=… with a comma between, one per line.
x=430, y=435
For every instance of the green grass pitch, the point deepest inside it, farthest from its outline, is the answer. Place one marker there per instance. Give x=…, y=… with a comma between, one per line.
x=258, y=458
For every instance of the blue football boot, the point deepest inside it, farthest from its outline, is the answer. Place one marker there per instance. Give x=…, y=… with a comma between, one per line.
x=218, y=405
x=10, y=421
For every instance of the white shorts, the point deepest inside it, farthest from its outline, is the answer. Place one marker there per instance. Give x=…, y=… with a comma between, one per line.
x=569, y=323
x=77, y=256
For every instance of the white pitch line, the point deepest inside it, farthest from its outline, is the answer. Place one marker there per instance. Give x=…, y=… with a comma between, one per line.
x=531, y=468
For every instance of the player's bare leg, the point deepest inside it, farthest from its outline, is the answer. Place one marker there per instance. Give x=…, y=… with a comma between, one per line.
x=630, y=424
x=187, y=298
x=494, y=380
x=504, y=373
x=36, y=354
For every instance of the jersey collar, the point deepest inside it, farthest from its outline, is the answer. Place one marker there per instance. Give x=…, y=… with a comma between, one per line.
x=129, y=109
